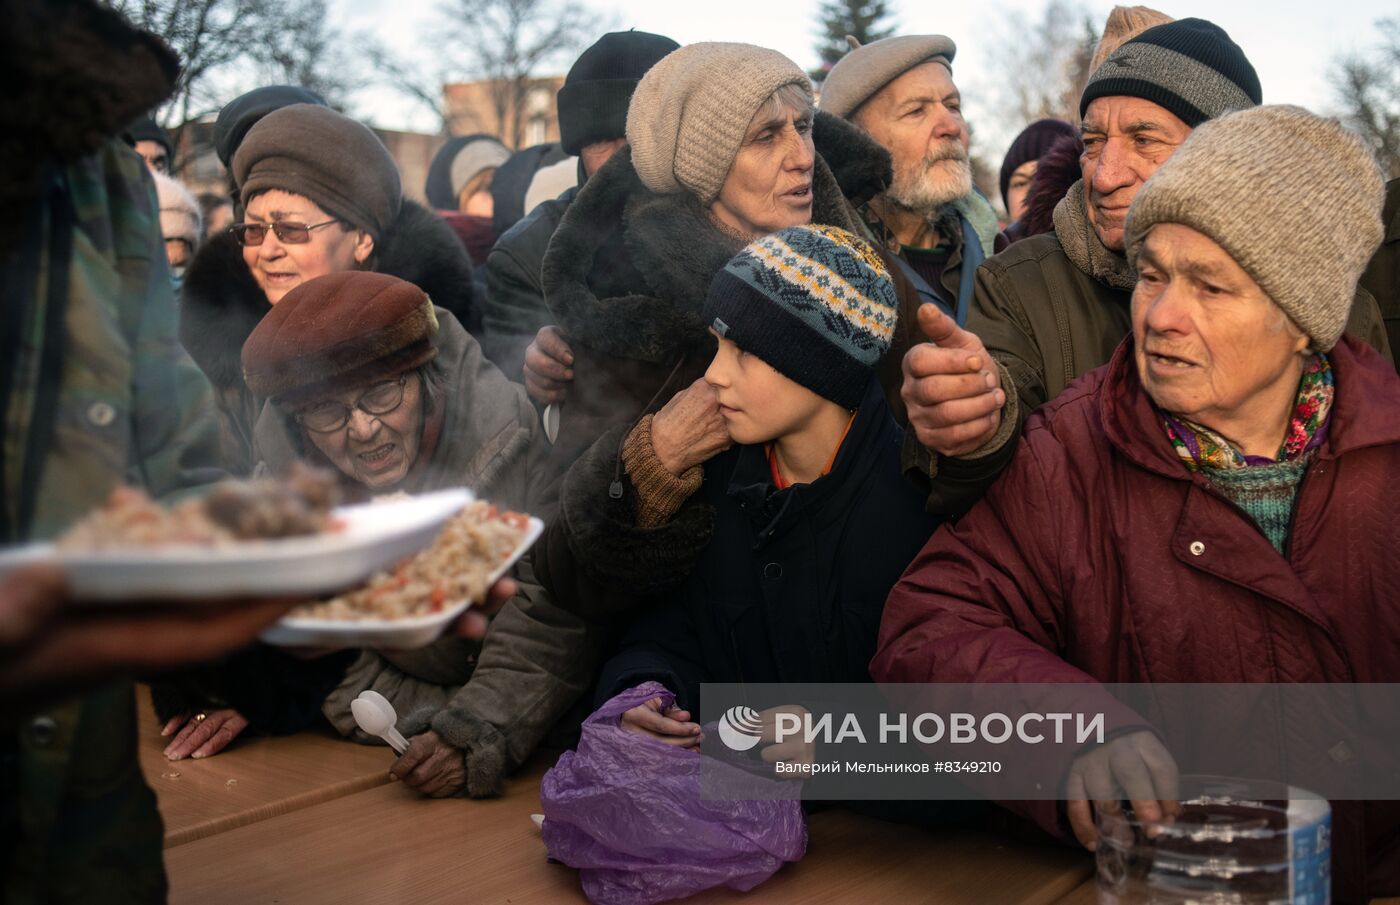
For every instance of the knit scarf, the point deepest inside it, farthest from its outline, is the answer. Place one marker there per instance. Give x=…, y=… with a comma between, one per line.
x=1082, y=245
x=1264, y=488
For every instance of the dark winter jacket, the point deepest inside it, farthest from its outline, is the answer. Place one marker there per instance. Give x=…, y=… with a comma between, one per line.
x=627, y=271
x=790, y=586
x=1051, y=308
x=494, y=699
x=513, y=309
x=221, y=303
x=1382, y=276
x=1098, y=556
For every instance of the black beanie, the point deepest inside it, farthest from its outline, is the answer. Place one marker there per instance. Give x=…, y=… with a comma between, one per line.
x=593, y=102
x=1190, y=67
x=147, y=129
x=238, y=115
x=1032, y=144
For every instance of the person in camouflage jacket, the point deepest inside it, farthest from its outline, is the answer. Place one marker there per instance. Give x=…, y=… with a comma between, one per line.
x=94, y=391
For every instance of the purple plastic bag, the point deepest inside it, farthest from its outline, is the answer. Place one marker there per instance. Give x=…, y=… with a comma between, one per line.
x=626, y=811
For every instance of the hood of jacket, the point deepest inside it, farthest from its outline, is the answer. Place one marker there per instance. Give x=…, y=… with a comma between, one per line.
x=220, y=302
x=488, y=423
x=627, y=270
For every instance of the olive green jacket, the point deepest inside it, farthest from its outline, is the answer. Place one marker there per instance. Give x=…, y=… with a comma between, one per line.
x=1051, y=308
x=497, y=698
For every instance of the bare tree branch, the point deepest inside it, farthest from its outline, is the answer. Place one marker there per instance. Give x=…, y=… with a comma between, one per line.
x=1367, y=90
x=1044, y=65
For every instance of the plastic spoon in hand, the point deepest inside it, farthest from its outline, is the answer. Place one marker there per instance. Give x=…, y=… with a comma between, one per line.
x=376, y=716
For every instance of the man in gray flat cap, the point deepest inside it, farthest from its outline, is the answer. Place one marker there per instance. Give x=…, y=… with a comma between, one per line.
x=901, y=91
x=1055, y=306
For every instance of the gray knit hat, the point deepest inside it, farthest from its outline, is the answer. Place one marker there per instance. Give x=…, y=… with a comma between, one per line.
x=1257, y=180
x=1190, y=67
x=814, y=302
x=690, y=111
x=861, y=73
x=333, y=160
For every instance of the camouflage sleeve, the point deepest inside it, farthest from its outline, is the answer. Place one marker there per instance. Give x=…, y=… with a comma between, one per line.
x=175, y=427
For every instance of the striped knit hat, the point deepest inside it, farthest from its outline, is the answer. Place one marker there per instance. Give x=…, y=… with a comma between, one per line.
x=1190, y=67
x=814, y=302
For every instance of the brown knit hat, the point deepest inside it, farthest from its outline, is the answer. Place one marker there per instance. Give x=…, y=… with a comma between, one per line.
x=862, y=72
x=1124, y=23
x=340, y=330
x=688, y=116
x=335, y=161
x=1257, y=180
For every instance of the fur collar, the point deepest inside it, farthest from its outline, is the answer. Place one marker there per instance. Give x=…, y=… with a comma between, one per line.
x=1082, y=245
x=220, y=302
x=861, y=165
x=75, y=74
x=627, y=270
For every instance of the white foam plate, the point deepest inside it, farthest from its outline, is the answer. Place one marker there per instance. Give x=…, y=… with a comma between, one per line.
x=388, y=634
x=372, y=536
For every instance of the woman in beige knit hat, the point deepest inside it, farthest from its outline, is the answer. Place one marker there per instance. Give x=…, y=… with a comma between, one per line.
x=1217, y=504
x=724, y=147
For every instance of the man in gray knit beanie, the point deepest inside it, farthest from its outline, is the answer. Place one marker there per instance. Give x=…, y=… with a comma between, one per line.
x=1055, y=306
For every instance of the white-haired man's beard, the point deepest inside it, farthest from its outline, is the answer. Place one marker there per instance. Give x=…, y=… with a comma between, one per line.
x=940, y=178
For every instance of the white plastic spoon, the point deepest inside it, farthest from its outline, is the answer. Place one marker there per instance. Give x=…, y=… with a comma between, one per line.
x=376, y=716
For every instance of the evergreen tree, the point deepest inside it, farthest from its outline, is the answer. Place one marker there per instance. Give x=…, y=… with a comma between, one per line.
x=864, y=20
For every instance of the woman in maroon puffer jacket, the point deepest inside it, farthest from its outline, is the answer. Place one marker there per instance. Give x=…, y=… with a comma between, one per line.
x=1217, y=503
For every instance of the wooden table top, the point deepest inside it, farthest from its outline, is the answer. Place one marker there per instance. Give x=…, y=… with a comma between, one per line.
x=252, y=779
x=388, y=845
x=314, y=818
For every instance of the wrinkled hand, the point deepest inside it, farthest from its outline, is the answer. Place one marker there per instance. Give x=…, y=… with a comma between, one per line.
x=673, y=726
x=794, y=749
x=54, y=645
x=202, y=737
x=431, y=766
x=1134, y=766
x=952, y=387
x=689, y=430
x=549, y=366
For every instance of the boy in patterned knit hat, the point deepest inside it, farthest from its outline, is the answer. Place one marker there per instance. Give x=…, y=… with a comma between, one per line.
x=773, y=559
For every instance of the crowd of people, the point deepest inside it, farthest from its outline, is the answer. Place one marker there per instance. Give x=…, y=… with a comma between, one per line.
x=795, y=401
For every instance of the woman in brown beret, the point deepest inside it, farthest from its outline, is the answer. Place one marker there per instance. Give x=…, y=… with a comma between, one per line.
x=364, y=374
x=321, y=195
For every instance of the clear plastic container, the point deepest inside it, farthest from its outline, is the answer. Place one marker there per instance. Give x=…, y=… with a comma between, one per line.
x=1234, y=843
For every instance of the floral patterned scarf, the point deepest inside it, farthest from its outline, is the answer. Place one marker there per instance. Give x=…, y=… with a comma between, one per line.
x=1202, y=448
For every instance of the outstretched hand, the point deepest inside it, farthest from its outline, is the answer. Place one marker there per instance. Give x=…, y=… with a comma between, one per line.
x=952, y=387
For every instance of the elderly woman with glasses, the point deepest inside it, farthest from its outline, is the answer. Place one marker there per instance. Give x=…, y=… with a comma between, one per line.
x=321, y=195
x=366, y=376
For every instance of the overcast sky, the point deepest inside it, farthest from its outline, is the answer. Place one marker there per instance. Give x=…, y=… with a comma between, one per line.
x=1290, y=42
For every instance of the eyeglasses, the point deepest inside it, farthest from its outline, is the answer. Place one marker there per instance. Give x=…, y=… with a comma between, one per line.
x=380, y=399
x=289, y=232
